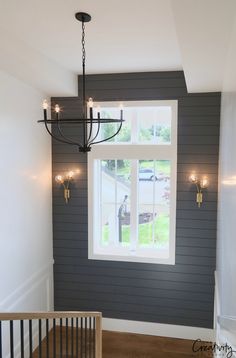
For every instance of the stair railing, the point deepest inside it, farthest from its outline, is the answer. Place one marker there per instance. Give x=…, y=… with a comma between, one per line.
x=51, y=335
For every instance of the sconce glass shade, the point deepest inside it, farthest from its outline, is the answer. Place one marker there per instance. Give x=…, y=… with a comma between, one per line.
x=59, y=179
x=193, y=178
x=204, y=183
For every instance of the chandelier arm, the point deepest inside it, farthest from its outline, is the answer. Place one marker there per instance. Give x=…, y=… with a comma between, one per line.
x=58, y=139
x=54, y=137
x=90, y=130
x=67, y=139
x=98, y=129
x=104, y=140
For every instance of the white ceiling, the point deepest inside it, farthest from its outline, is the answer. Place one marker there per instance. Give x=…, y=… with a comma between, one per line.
x=204, y=29
x=40, y=40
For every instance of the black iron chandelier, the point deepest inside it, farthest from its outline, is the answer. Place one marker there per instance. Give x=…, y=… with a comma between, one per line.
x=90, y=126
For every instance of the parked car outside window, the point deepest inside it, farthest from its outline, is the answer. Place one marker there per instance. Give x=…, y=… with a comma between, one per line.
x=147, y=174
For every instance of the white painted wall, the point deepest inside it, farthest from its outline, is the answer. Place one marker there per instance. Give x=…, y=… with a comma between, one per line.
x=226, y=245
x=226, y=241
x=25, y=200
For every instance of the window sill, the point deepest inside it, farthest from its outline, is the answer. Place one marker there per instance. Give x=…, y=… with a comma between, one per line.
x=136, y=257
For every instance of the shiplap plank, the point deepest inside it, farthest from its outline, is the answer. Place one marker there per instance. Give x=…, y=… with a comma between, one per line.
x=120, y=289
x=178, y=268
x=136, y=291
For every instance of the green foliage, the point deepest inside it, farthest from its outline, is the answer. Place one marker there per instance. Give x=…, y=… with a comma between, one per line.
x=145, y=134
x=108, y=130
x=110, y=164
x=124, y=134
x=165, y=134
x=161, y=233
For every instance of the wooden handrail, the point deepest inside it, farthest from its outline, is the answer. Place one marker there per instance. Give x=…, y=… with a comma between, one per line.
x=98, y=340
x=12, y=316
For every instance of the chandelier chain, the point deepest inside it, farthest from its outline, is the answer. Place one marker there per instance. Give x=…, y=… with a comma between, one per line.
x=84, y=84
x=83, y=44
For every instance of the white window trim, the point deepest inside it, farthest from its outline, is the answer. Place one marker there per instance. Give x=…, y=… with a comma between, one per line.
x=129, y=151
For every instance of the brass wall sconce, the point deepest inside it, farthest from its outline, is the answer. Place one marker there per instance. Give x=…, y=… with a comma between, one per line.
x=200, y=185
x=65, y=181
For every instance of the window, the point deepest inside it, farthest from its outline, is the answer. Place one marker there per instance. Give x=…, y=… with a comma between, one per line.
x=132, y=185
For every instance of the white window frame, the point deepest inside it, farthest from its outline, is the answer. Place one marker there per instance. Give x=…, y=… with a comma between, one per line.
x=129, y=151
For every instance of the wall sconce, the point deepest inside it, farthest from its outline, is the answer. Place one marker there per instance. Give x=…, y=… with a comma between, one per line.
x=200, y=185
x=65, y=181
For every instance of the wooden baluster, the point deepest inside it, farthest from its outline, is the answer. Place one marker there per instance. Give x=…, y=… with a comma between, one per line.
x=98, y=340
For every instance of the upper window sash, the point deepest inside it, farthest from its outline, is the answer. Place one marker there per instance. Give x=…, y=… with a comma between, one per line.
x=134, y=123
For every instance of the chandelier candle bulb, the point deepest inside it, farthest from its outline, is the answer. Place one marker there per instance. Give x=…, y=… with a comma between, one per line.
x=45, y=104
x=121, y=111
x=98, y=112
x=121, y=114
x=57, y=110
x=45, y=107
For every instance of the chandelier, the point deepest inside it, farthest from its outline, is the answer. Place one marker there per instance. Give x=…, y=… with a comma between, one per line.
x=90, y=126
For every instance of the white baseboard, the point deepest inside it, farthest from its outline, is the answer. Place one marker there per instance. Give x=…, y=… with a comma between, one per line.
x=158, y=329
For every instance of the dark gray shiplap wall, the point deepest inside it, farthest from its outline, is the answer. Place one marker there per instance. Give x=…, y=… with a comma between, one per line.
x=181, y=294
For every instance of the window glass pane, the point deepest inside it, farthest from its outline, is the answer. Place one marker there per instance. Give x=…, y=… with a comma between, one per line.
x=115, y=207
x=153, y=207
x=154, y=125
x=162, y=204
x=108, y=195
x=144, y=124
x=146, y=176
x=108, y=129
